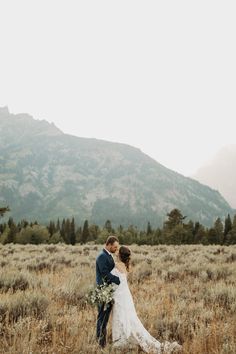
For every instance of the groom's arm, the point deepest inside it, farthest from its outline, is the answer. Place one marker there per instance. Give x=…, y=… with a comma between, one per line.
x=105, y=273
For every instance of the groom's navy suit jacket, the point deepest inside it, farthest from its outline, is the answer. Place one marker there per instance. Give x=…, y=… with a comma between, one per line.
x=104, y=266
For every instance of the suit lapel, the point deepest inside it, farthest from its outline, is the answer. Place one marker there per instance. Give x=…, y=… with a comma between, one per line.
x=109, y=258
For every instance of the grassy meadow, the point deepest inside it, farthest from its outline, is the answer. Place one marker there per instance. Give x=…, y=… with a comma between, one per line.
x=183, y=293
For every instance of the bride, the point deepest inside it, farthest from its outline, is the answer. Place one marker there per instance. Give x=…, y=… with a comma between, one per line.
x=126, y=326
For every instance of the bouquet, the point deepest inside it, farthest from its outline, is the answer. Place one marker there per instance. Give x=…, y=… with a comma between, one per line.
x=101, y=294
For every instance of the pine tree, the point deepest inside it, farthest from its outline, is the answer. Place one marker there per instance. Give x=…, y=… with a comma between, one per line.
x=149, y=229
x=195, y=231
x=72, y=232
x=78, y=234
x=131, y=235
x=219, y=230
x=10, y=221
x=199, y=233
x=1, y=228
x=212, y=236
x=67, y=231
x=188, y=236
x=62, y=231
x=173, y=230
x=177, y=235
x=93, y=232
x=58, y=227
x=85, y=232
x=108, y=226
x=51, y=228
x=157, y=237
x=175, y=218
x=227, y=227
x=120, y=228
x=24, y=223
x=12, y=233
x=231, y=236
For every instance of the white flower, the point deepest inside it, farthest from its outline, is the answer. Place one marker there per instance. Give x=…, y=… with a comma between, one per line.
x=101, y=294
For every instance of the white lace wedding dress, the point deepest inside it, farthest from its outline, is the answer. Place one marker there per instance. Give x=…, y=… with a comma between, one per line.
x=127, y=329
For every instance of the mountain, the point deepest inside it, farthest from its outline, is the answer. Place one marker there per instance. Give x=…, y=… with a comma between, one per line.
x=220, y=173
x=46, y=174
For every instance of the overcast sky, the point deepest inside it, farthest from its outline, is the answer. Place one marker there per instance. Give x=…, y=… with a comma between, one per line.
x=158, y=75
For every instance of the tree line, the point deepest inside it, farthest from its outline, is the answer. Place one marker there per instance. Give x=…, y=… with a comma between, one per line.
x=174, y=231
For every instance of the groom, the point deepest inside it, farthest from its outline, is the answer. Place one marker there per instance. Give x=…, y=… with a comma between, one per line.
x=104, y=266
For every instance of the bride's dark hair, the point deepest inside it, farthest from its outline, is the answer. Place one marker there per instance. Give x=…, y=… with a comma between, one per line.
x=124, y=255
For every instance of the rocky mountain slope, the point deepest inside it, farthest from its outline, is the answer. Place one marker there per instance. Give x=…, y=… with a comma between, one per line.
x=45, y=174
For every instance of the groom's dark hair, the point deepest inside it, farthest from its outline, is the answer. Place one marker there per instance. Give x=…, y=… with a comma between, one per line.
x=111, y=239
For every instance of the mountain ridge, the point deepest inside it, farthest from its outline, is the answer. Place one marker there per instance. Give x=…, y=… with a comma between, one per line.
x=46, y=174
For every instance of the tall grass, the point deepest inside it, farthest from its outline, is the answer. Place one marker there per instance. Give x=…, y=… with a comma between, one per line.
x=183, y=293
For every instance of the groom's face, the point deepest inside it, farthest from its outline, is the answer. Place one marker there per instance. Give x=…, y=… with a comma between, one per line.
x=114, y=247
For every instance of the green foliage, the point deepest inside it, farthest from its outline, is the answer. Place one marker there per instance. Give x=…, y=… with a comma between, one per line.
x=103, y=236
x=175, y=218
x=108, y=226
x=72, y=237
x=228, y=227
x=94, y=231
x=176, y=235
x=231, y=236
x=219, y=231
x=85, y=232
x=174, y=231
x=199, y=234
x=56, y=238
x=36, y=234
x=4, y=235
x=60, y=175
x=149, y=228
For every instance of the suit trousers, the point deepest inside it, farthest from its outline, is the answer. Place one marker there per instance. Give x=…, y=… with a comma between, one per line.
x=102, y=321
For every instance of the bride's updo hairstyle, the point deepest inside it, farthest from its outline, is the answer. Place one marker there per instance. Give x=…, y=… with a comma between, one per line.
x=124, y=255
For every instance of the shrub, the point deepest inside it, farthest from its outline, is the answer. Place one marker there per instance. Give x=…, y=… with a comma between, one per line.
x=231, y=258
x=74, y=290
x=56, y=238
x=35, y=235
x=14, y=281
x=222, y=295
x=21, y=305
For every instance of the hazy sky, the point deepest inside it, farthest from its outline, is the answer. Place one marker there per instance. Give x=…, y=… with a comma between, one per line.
x=158, y=75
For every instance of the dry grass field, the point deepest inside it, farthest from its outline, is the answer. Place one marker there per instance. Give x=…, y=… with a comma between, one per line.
x=183, y=293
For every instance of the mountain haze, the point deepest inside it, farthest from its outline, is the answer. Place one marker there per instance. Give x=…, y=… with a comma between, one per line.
x=220, y=173
x=46, y=174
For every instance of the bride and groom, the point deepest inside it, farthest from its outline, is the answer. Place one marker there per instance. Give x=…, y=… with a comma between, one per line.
x=126, y=327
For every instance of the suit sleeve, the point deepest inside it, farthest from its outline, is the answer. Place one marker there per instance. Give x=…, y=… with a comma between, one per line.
x=105, y=273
